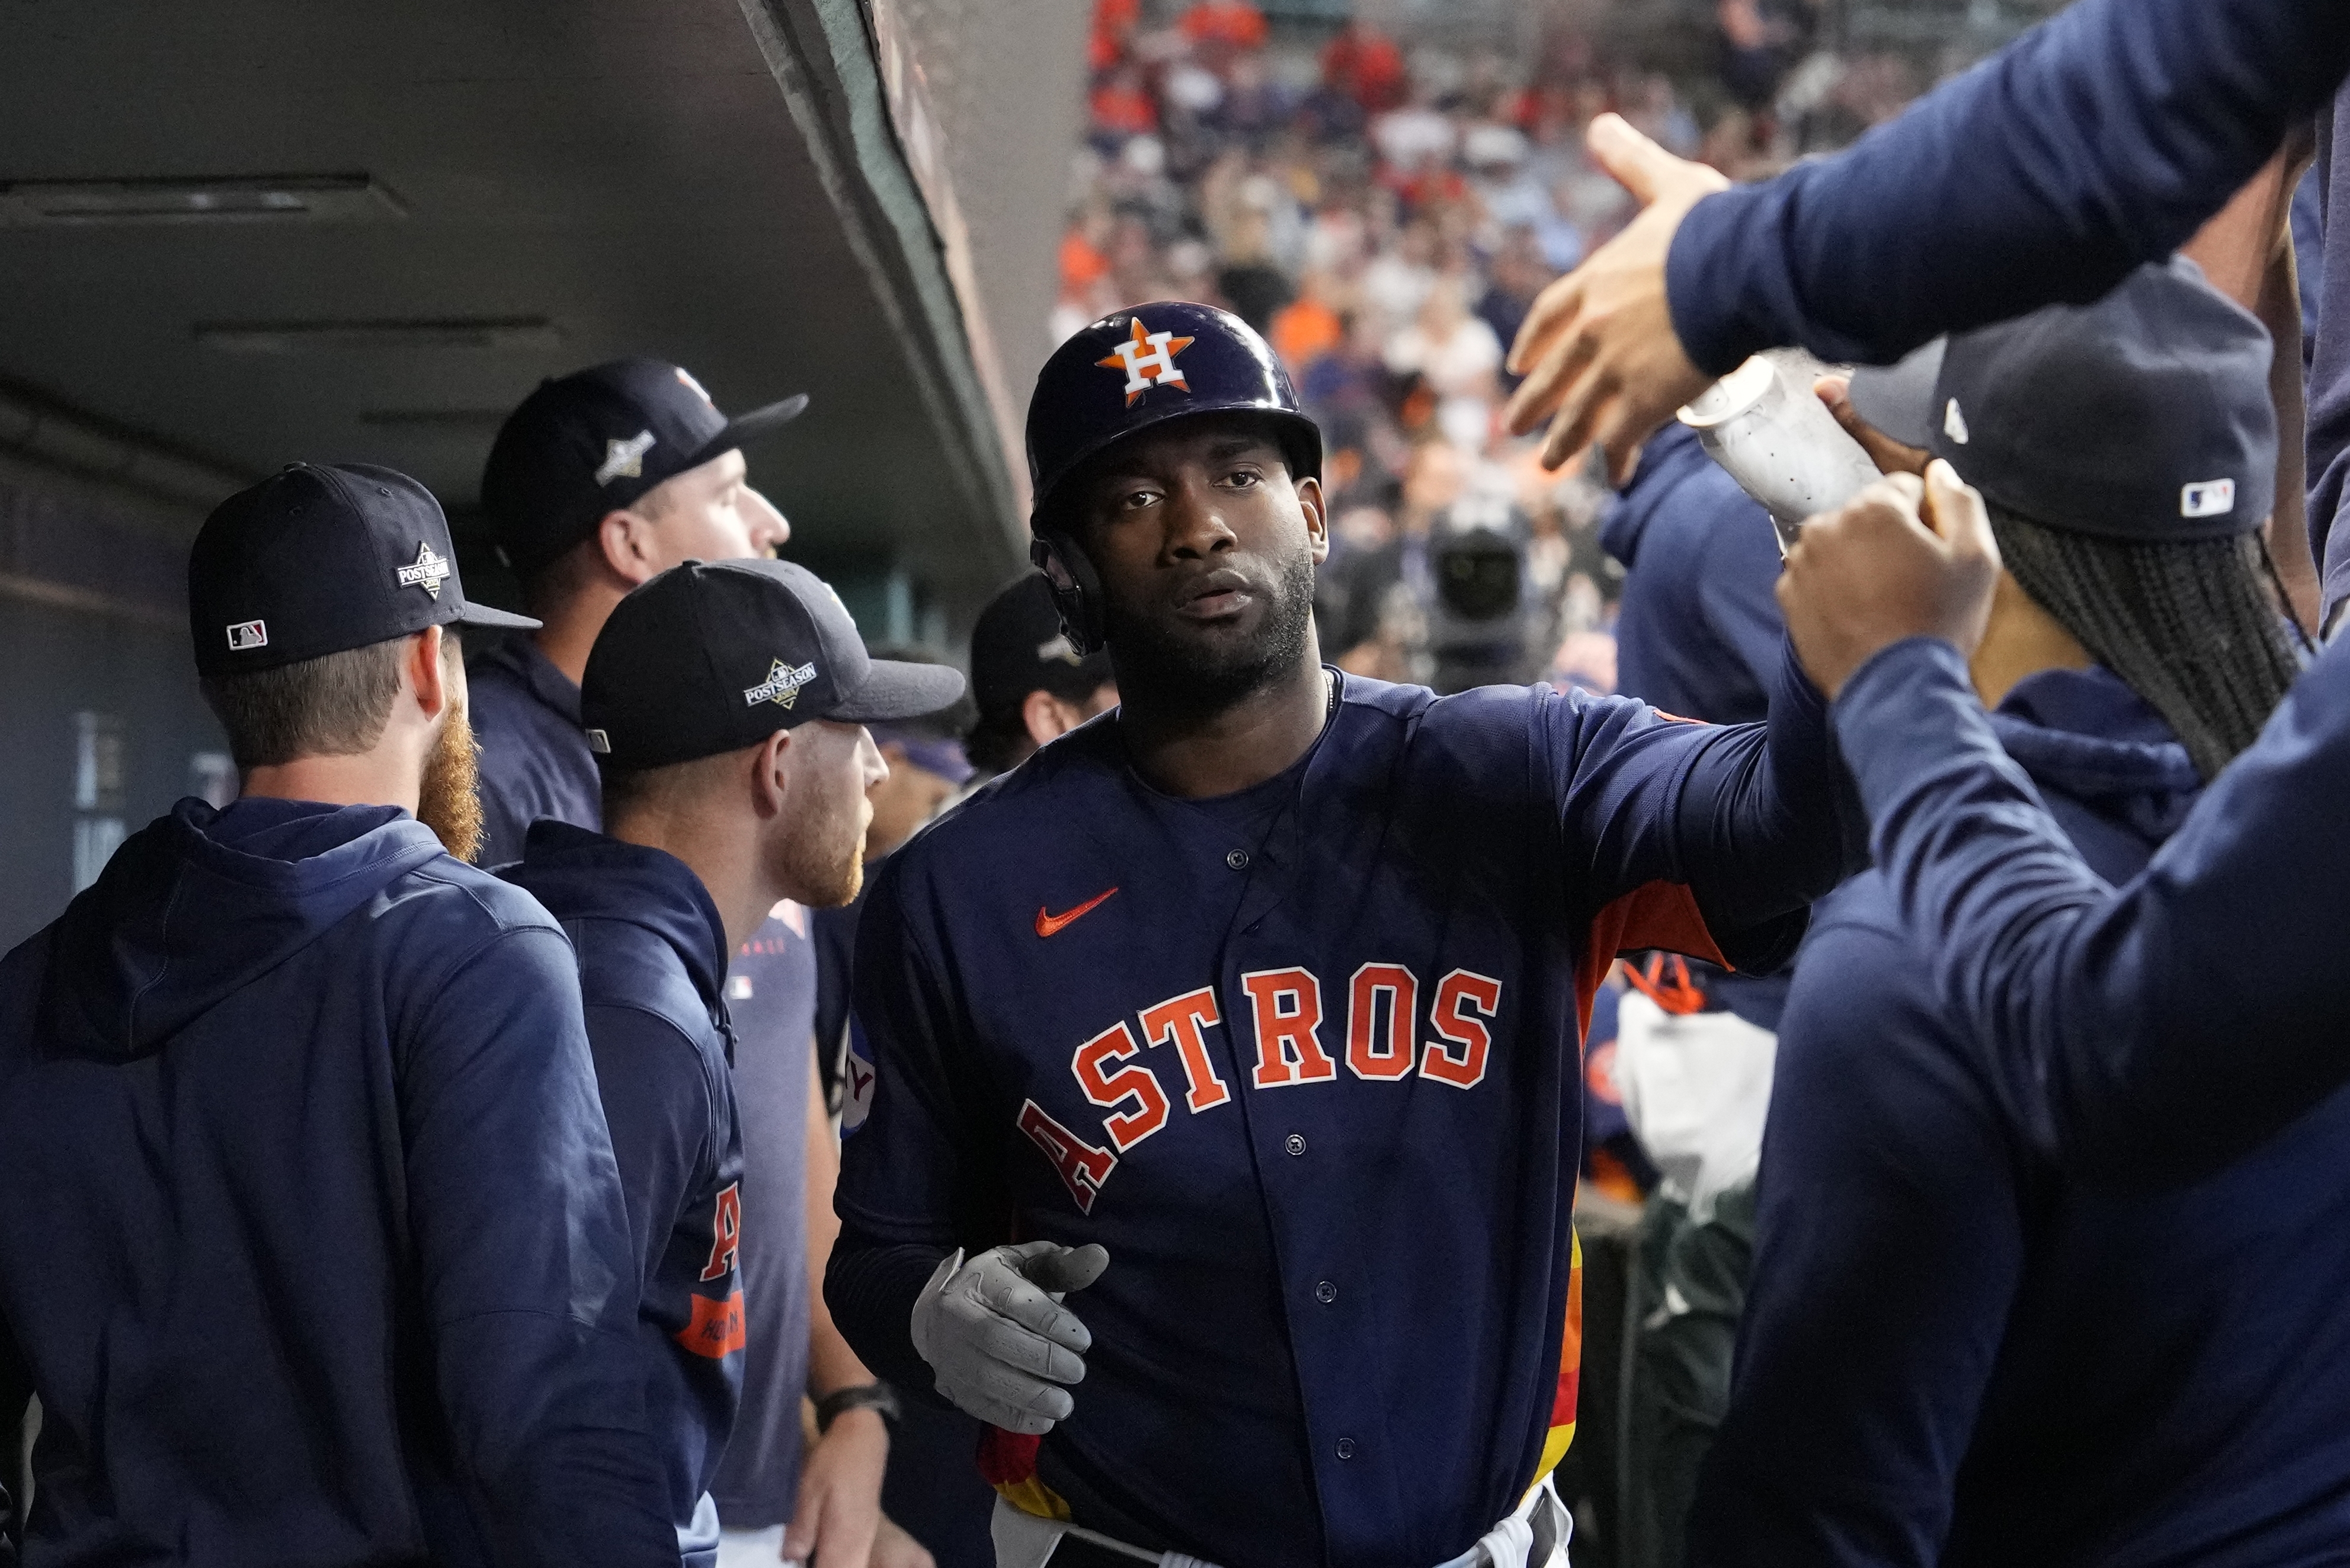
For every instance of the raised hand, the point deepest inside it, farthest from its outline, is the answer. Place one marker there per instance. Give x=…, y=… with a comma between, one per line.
x=1907, y=557
x=1598, y=352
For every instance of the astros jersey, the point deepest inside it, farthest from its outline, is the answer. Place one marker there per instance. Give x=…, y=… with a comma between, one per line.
x=1303, y=1059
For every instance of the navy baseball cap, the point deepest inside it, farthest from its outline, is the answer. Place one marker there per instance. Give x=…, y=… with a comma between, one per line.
x=2144, y=416
x=1139, y=368
x=594, y=442
x=1018, y=647
x=711, y=657
x=317, y=560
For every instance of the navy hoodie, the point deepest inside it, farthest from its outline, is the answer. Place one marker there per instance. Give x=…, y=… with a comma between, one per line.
x=311, y=1240
x=652, y=957
x=1952, y=1354
x=1698, y=631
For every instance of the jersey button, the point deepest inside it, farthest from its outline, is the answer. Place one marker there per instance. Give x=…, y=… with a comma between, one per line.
x=1237, y=860
x=1345, y=1448
x=1294, y=1143
x=1325, y=1292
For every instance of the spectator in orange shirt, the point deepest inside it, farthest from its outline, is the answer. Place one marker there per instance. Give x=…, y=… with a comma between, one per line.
x=1113, y=34
x=1307, y=327
x=1365, y=64
x=1233, y=25
x=1122, y=105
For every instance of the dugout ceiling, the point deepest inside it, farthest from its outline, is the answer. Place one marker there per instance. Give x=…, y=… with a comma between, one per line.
x=258, y=229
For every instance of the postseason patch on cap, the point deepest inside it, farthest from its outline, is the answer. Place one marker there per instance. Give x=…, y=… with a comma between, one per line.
x=2208, y=498
x=625, y=459
x=429, y=572
x=782, y=686
x=246, y=635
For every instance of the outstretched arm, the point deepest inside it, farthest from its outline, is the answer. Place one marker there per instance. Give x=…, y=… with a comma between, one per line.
x=2095, y=142
x=1706, y=839
x=2161, y=1029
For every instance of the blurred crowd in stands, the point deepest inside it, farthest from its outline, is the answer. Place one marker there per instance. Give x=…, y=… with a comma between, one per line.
x=1385, y=211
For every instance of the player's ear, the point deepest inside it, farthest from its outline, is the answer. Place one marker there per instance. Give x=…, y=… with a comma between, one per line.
x=624, y=538
x=1318, y=520
x=427, y=675
x=1045, y=717
x=771, y=768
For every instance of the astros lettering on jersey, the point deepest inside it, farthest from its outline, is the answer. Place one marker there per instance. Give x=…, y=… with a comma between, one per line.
x=1305, y=1060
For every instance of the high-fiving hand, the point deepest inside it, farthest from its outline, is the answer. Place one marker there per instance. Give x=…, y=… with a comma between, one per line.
x=1598, y=351
x=1908, y=557
x=994, y=1332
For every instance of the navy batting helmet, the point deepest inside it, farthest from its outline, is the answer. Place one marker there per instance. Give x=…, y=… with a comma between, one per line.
x=1130, y=371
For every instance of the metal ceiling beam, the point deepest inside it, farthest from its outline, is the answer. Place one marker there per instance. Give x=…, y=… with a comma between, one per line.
x=823, y=59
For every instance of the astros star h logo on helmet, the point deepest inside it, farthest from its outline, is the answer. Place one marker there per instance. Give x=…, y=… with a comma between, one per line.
x=427, y=573
x=1148, y=360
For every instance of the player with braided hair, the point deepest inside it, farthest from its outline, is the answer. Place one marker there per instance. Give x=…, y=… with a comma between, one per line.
x=2084, y=1376
x=2190, y=625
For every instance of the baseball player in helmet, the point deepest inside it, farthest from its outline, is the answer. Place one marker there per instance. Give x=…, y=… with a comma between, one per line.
x=1245, y=1017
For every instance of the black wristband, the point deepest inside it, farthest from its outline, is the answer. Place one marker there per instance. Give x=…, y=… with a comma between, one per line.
x=875, y=1395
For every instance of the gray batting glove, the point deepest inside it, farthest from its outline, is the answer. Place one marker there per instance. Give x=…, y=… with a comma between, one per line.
x=994, y=1331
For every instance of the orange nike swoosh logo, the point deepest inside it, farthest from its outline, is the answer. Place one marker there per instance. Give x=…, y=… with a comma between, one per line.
x=1048, y=925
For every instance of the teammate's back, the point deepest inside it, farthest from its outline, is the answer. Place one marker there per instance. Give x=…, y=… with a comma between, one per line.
x=275, y=1245
x=312, y=1245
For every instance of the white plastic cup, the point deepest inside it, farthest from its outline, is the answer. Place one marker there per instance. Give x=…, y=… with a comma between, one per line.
x=1781, y=444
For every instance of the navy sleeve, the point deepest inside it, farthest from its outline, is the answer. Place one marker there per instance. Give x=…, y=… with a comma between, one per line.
x=2157, y=1030
x=1887, y=1250
x=1753, y=820
x=2099, y=141
x=657, y=1103
x=914, y=1175
x=874, y=1284
x=529, y=1278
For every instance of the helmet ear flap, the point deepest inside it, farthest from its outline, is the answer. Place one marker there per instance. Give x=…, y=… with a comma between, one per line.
x=1077, y=591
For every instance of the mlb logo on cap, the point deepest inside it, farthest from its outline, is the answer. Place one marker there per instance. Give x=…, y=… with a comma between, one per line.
x=317, y=560
x=2209, y=498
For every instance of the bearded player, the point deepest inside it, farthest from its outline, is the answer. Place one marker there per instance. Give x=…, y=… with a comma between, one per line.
x=1268, y=985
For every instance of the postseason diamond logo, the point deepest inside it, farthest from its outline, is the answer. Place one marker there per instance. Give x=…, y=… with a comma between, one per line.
x=782, y=686
x=429, y=572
